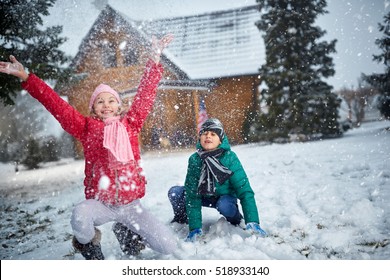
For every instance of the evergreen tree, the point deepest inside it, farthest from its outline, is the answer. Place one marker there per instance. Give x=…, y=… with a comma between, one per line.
x=22, y=35
x=33, y=154
x=50, y=149
x=19, y=123
x=382, y=81
x=298, y=101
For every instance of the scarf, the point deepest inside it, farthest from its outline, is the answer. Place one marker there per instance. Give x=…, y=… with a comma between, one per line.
x=212, y=170
x=116, y=140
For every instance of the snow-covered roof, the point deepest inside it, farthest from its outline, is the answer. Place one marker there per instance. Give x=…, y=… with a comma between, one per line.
x=218, y=44
x=212, y=45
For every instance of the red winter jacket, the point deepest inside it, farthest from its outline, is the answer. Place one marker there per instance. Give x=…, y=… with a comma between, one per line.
x=111, y=186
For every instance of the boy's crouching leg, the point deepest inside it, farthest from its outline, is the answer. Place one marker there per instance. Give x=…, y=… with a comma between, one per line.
x=92, y=250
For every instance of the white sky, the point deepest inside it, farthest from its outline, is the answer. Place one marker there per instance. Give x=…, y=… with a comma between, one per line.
x=353, y=23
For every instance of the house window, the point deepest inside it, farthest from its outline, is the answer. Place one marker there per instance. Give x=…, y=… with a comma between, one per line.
x=129, y=57
x=108, y=55
x=129, y=54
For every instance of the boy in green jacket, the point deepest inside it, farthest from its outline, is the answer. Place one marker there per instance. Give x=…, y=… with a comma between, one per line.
x=215, y=178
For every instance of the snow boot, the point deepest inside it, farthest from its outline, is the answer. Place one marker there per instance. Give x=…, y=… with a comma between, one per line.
x=181, y=219
x=91, y=250
x=130, y=242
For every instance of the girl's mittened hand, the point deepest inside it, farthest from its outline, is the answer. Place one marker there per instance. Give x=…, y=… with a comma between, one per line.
x=14, y=68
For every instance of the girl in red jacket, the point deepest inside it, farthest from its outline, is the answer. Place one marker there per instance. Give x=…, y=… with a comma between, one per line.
x=114, y=181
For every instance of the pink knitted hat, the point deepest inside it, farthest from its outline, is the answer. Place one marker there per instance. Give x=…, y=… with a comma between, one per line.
x=103, y=88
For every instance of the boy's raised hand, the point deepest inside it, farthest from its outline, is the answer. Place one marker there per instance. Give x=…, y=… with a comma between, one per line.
x=14, y=68
x=158, y=46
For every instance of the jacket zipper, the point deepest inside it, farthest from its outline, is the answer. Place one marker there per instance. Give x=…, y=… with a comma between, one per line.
x=92, y=175
x=116, y=186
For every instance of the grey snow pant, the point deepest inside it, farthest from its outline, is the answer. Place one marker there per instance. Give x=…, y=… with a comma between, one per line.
x=90, y=213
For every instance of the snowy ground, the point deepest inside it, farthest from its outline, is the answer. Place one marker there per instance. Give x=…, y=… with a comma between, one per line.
x=319, y=200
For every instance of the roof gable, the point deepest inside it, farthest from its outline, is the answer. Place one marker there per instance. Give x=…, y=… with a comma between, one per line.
x=135, y=37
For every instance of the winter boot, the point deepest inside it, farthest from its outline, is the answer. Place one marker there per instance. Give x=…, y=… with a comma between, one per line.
x=130, y=242
x=181, y=219
x=91, y=250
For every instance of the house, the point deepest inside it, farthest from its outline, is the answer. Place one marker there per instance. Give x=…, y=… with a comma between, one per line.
x=214, y=59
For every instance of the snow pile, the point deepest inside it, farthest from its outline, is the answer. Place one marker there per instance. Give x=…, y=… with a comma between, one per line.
x=317, y=200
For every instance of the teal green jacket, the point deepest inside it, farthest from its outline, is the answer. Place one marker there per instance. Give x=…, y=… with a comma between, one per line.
x=237, y=186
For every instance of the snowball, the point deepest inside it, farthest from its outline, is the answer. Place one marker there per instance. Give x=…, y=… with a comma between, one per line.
x=104, y=183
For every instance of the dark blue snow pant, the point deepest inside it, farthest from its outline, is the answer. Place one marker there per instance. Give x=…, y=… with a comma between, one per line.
x=225, y=204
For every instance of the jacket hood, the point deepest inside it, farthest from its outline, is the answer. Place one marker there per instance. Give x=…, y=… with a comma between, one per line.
x=224, y=145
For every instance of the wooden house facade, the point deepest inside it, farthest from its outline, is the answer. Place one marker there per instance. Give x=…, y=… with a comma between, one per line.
x=215, y=62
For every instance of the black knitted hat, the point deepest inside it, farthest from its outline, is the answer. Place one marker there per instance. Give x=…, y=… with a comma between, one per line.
x=213, y=125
